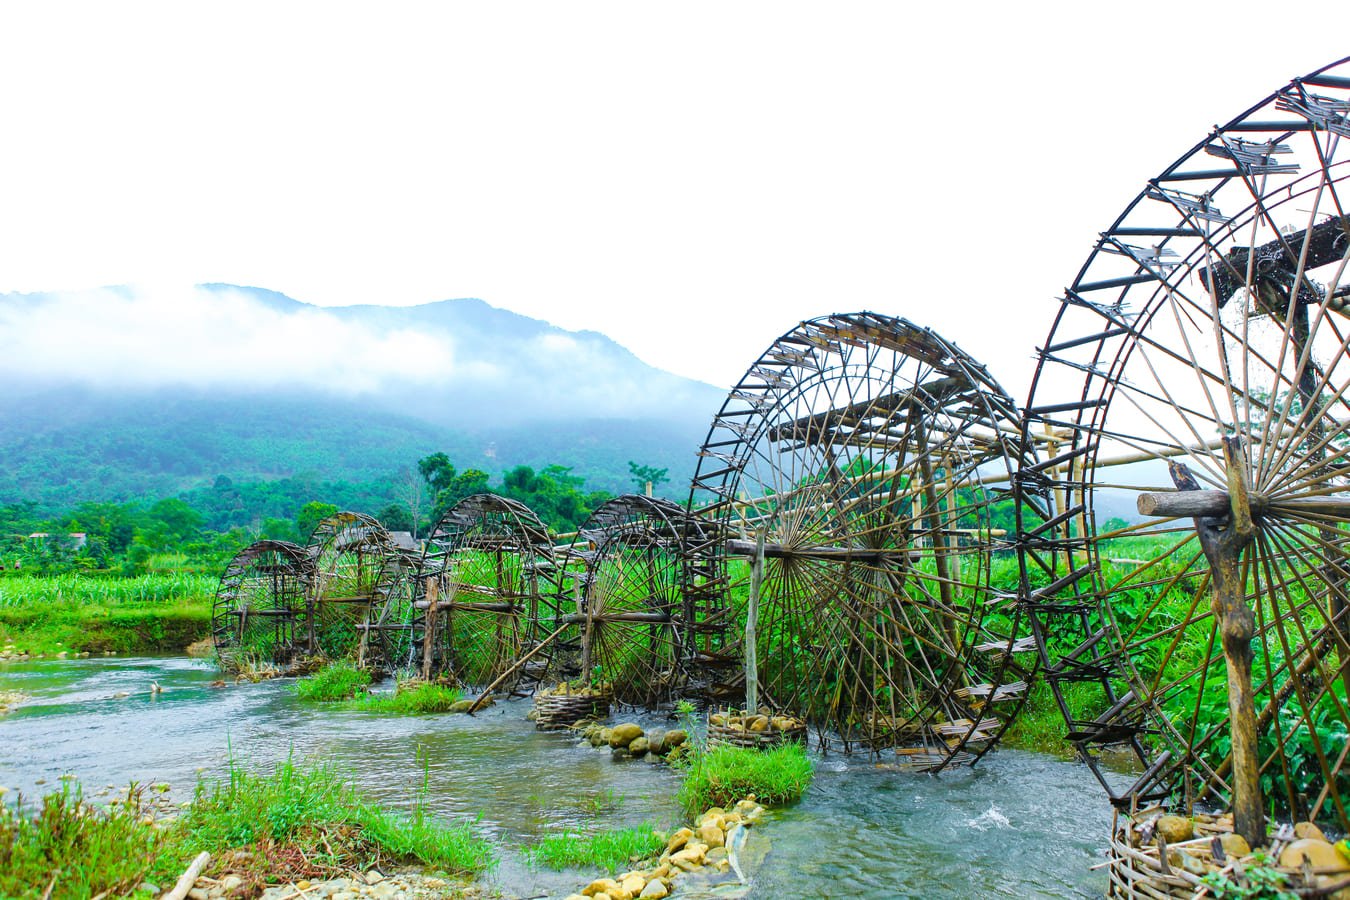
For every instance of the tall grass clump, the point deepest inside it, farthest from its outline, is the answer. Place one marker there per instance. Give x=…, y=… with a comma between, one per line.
x=608, y=850
x=313, y=819
x=339, y=680
x=412, y=698
x=723, y=775
x=68, y=848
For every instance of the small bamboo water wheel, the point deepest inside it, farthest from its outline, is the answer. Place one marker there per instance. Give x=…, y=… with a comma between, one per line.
x=388, y=645
x=1192, y=606
x=486, y=592
x=852, y=467
x=636, y=624
x=356, y=565
x=259, y=611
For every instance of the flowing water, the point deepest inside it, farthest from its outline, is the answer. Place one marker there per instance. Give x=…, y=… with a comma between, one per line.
x=1021, y=824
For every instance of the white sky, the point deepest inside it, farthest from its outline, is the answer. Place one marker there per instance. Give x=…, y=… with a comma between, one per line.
x=689, y=178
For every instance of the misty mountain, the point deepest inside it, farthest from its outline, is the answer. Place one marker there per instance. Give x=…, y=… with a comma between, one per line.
x=122, y=394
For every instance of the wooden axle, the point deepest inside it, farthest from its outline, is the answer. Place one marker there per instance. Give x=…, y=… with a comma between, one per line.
x=737, y=547
x=654, y=618
x=1214, y=504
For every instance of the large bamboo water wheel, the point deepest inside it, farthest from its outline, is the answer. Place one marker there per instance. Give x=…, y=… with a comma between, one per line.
x=638, y=615
x=356, y=566
x=259, y=611
x=855, y=461
x=489, y=569
x=1192, y=607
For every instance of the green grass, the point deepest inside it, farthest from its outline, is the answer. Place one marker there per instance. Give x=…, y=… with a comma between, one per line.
x=146, y=614
x=421, y=697
x=339, y=680
x=74, y=848
x=317, y=812
x=721, y=776
x=608, y=850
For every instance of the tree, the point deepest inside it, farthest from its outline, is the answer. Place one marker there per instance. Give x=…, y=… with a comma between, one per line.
x=643, y=475
x=394, y=517
x=448, y=486
x=310, y=515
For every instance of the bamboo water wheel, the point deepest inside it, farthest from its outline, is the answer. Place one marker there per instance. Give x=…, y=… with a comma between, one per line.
x=356, y=566
x=862, y=451
x=1191, y=607
x=259, y=609
x=489, y=568
x=639, y=617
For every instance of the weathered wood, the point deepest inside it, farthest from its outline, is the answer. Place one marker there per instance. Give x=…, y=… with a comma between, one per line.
x=752, y=624
x=429, y=632
x=1223, y=540
x=652, y=618
x=1275, y=262
x=813, y=427
x=189, y=877
x=1216, y=503
x=737, y=547
x=487, y=692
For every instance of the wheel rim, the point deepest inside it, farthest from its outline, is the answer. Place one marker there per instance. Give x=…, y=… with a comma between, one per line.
x=861, y=444
x=491, y=559
x=355, y=569
x=635, y=625
x=1157, y=352
x=259, y=602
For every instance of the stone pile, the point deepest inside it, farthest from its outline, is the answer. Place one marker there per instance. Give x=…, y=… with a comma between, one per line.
x=708, y=848
x=1200, y=846
x=758, y=730
x=628, y=739
x=372, y=885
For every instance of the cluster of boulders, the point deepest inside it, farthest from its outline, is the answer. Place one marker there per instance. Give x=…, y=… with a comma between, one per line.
x=709, y=847
x=755, y=722
x=12, y=653
x=629, y=739
x=1190, y=843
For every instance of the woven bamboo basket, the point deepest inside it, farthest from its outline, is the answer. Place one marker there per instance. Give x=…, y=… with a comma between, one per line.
x=727, y=734
x=554, y=712
x=1138, y=873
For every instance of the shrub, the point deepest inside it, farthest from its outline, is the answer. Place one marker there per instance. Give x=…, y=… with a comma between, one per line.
x=336, y=681
x=608, y=850
x=414, y=698
x=721, y=776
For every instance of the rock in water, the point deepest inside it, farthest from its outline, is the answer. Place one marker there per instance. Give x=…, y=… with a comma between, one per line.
x=655, y=890
x=638, y=746
x=624, y=734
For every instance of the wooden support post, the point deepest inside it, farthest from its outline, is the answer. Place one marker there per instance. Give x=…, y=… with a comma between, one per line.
x=587, y=634
x=933, y=521
x=1223, y=540
x=429, y=632
x=752, y=624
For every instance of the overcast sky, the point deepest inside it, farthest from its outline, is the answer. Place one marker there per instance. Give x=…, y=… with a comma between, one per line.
x=689, y=178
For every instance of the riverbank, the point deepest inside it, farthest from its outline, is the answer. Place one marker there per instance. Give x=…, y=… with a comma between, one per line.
x=156, y=613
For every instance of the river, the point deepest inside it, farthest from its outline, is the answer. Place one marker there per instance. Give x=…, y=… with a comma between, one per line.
x=1020, y=824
